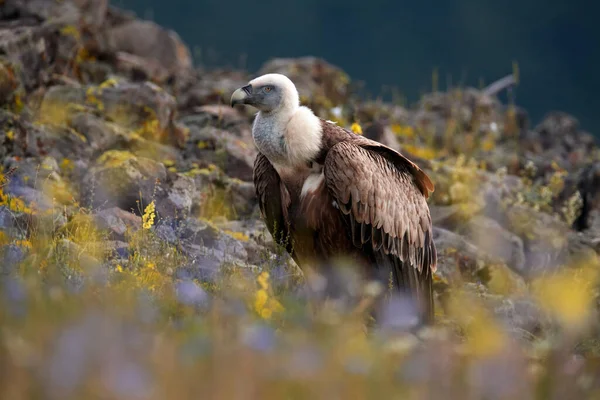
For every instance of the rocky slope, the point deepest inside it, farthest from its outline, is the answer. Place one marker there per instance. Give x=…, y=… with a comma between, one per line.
x=104, y=115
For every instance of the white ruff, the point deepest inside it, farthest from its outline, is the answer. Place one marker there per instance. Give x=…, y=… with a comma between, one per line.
x=303, y=135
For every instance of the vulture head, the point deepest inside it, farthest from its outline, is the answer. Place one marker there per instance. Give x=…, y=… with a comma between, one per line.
x=287, y=133
x=268, y=93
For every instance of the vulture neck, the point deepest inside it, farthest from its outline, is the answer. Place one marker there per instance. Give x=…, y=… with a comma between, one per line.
x=289, y=137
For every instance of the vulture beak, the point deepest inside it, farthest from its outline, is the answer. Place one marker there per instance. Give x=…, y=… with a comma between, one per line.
x=242, y=95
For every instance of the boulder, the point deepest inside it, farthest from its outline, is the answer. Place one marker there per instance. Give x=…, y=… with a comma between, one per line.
x=119, y=223
x=459, y=260
x=99, y=134
x=206, y=247
x=88, y=12
x=11, y=256
x=214, y=87
x=159, y=52
x=234, y=155
x=218, y=195
x=490, y=237
x=27, y=51
x=142, y=108
x=558, y=137
x=119, y=178
x=548, y=242
x=179, y=196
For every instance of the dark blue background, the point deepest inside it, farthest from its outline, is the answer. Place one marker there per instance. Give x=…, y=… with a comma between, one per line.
x=399, y=43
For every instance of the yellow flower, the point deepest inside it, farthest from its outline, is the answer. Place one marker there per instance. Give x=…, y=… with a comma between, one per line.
x=263, y=280
x=148, y=217
x=3, y=238
x=488, y=144
x=67, y=164
x=23, y=243
x=260, y=300
x=568, y=295
x=264, y=304
x=423, y=152
x=403, y=131
x=356, y=128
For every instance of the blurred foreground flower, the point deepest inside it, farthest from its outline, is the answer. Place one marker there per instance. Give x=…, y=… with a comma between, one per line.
x=484, y=335
x=568, y=295
x=264, y=304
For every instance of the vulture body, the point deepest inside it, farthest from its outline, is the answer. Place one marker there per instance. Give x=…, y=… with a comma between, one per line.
x=326, y=192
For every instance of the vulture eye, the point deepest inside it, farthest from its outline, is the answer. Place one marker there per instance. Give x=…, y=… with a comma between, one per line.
x=267, y=89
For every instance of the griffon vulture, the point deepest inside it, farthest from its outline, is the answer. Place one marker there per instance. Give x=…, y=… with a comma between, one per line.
x=326, y=192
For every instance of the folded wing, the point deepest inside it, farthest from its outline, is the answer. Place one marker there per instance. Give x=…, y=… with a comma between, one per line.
x=383, y=197
x=273, y=200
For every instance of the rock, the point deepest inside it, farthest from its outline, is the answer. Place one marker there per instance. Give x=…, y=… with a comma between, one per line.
x=221, y=117
x=445, y=216
x=32, y=199
x=11, y=255
x=28, y=52
x=219, y=195
x=319, y=83
x=144, y=109
x=197, y=236
x=465, y=110
x=12, y=224
x=179, y=197
x=117, y=249
x=148, y=148
x=92, y=12
x=32, y=172
x=88, y=12
x=558, y=137
x=460, y=259
x=118, y=222
x=11, y=139
x=44, y=175
x=99, y=134
x=159, y=51
x=73, y=254
x=587, y=184
x=214, y=87
x=189, y=293
x=204, y=267
x=121, y=179
x=256, y=239
x=490, y=237
x=8, y=83
x=518, y=313
x=545, y=239
x=207, y=248
x=47, y=136
x=233, y=155
x=377, y=111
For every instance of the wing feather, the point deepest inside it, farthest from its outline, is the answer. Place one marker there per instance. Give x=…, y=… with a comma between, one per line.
x=384, y=198
x=274, y=201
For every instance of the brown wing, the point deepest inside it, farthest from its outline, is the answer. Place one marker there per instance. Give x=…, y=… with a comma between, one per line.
x=383, y=197
x=273, y=200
